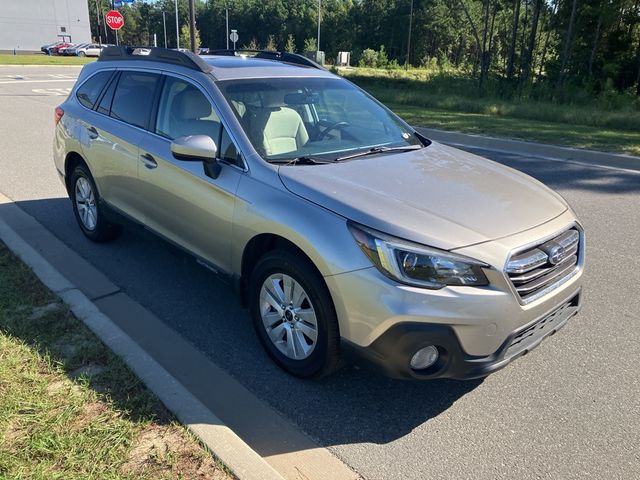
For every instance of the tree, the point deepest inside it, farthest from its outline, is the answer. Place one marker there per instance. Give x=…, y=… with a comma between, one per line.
x=271, y=44
x=185, y=37
x=291, y=44
x=310, y=45
x=514, y=37
x=566, y=53
x=526, y=63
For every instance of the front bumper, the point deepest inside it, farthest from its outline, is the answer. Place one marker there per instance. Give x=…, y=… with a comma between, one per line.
x=391, y=352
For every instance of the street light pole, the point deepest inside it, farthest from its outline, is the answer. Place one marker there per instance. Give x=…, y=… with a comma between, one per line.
x=177, y=29
x=319, y=15
x=192, y=25
x=226, y=8
x=164, y=26
x=406, y=64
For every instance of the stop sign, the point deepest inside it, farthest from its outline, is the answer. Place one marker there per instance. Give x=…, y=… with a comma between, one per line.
x=114, y=20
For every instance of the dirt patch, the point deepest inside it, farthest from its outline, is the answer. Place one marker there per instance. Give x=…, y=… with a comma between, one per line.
x=39, y=312
x=55, y=387
x=91, y=411
x=90, y=370
x=155, y=445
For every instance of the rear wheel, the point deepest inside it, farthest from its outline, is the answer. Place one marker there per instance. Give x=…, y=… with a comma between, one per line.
x=89, y=212
x=293, y=315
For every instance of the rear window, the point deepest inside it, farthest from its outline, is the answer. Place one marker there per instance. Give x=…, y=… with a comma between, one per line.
x=134, y=97
x=90, y=90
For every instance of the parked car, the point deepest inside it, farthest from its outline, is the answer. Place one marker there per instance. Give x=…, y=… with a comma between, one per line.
x=343, y=229
x=92, y=50
x=55, y=49
x=45, y=48
x=72, y=50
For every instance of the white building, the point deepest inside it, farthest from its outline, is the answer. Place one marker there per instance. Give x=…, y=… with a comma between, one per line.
x=29, y=24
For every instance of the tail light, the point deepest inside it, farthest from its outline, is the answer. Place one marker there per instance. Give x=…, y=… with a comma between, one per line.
x=59, y=112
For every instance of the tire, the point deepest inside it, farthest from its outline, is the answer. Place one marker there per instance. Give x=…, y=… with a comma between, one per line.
x=314, y=301
x=82, y=54
x=92, y=219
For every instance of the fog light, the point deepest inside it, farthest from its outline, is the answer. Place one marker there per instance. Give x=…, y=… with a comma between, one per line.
x=424, y=358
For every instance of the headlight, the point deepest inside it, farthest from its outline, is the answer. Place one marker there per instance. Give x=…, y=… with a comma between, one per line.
x=415, y=264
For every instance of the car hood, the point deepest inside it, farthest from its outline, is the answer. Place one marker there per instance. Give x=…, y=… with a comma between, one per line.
x=438, y=195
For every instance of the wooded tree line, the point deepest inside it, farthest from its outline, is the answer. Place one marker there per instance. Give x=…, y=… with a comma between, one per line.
x=524, y=45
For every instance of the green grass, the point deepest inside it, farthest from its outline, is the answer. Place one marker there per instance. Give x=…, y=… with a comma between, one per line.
x=69, y=408
x=451, y=101
x=37, y=59
x=577, y=136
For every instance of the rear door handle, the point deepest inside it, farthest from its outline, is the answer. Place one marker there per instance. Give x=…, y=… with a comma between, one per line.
x=148, y=161
x=93, y=133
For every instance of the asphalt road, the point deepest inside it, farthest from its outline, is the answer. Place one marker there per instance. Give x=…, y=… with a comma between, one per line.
x=569, y=409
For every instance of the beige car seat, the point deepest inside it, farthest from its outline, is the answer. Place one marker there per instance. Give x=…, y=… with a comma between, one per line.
x=276, y=128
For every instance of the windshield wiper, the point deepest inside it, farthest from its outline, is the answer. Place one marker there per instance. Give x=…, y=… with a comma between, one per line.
x=300, y=161
x=374, y=150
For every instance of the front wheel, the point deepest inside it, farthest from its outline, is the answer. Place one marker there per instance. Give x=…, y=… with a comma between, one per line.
x=293, y=315
x=82, y=54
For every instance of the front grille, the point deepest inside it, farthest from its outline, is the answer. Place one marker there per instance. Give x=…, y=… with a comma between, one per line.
x=538, y=270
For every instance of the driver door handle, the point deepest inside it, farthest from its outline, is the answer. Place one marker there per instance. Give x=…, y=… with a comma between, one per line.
x=148, y=161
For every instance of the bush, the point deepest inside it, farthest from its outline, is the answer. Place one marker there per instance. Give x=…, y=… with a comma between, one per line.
x=369, y=58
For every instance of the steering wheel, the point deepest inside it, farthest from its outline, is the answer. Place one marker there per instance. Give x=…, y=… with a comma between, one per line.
x=333, y=126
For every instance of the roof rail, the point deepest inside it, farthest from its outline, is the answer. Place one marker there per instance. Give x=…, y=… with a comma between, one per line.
x=285, y=57
x=155, y=54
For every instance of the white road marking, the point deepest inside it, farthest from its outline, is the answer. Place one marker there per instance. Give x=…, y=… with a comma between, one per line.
x=50, y=80
x=62, y=75
x=52, y=91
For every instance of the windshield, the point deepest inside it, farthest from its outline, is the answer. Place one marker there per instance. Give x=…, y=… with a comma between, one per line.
x=318, y=118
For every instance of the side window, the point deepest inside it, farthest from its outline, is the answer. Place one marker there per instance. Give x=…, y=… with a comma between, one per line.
x=134, y=97
x=90, y=90
x=228, y=151
x=104, y=106
x=184, y=110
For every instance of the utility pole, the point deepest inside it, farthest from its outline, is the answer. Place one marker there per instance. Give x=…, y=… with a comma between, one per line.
x=319, y=16
x=98, y=20
x=406, y=64
x=192, y=25
x=177, y=28
x=164, y=26
x=106, y=36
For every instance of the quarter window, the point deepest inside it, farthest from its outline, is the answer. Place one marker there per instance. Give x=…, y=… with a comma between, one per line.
x=134, y=97
x=184, y=110
x=90, y=90
x=105, y=103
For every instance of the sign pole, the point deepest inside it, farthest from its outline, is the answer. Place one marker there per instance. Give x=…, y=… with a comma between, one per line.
x=234, y=38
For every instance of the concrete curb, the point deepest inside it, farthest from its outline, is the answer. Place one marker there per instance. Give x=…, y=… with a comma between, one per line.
x=244, y=462
x=540, y=150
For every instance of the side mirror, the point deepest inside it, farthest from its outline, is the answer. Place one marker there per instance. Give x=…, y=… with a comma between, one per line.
x=198, y=148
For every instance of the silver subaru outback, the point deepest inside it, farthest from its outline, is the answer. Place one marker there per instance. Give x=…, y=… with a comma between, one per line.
x=344, y=231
